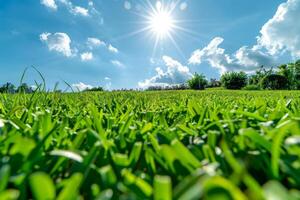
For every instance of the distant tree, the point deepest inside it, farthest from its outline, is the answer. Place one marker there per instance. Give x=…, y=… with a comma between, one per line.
x=275, y=82
x=154, y=88
x=234, y=80
x=167, y=87
x=292, y=72
x=287, y=70
x=8, y=88
x=213, y=83
x=2, y=89
x=256, y=78
x=198, y=82
x=24, y=88
x=182, y=87
x=94, y=89
x=297, y=74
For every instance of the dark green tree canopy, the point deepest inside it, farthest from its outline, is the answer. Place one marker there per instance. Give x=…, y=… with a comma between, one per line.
x=94, y=89
x=275, y=82
x=198, y=82
x=24, y=88
x=8, y=88
x=234, y=80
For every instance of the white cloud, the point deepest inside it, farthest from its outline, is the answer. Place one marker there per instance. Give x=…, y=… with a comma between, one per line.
x=59, y=42
x=278, y=36
x=50, y=4
x=127, y=5
x=86, y=56
x=107, y=78
x=174, y=65
x=183, y=6
x=176, y=73
x=112, y=49
x=77, y=10
x=91, y=3
x=282, y=32
x=118, y=63
x=95, y=13
x=44, y=36
x=245, y=58
x=81, y=86
x=94, y=42
x=211, y=49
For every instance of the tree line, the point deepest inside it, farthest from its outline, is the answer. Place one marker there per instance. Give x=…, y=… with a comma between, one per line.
x=284, y=77
x=12, y=89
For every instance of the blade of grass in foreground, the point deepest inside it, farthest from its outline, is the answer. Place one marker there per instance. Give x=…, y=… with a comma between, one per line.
x=40, y=178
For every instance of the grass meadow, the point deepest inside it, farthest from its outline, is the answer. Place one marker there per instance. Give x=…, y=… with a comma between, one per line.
x=213, y=144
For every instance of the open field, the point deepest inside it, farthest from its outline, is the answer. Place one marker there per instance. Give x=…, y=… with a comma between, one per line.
x=213, y=144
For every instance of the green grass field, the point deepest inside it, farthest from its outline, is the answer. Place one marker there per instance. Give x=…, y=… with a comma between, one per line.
x=213, y=144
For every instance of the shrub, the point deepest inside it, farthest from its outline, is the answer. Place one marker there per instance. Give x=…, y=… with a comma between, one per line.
x=198, y=82
x=167, y=87
x=256, y=78
x=24, y=88
x=213, y=83
x=252, y=87
x=8, y=88
x=94, y=89
x=234, y=80
x=275, y=82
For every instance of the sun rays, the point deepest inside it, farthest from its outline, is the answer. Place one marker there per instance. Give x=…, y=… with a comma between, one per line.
x=158, y=22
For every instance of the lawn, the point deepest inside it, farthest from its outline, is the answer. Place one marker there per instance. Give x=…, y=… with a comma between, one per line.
x=213, y=144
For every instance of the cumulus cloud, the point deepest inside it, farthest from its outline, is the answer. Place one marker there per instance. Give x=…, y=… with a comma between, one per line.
x=49, y=3
x=94, y=42
x=112, y=49
x=279, y=35
x=117, y=63
x=81, y=86
x=59, y=42
x=245, y=58
x=86, y=56
x=77, y=10
x=210, y=49
x=282, y=31
x=176, y=73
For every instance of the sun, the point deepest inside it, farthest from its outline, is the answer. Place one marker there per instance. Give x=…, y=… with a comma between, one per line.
x=161, y=22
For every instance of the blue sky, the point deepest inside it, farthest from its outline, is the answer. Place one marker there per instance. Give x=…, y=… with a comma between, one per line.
x=95, y=43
